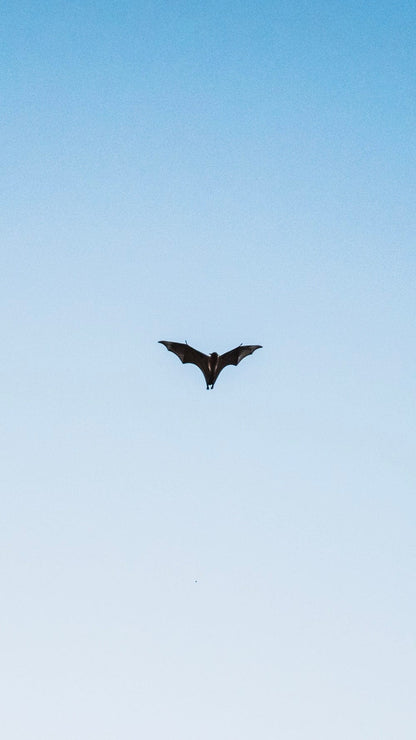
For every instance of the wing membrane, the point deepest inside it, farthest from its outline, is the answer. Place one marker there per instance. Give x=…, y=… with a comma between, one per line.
x=188, y=354
x=234, y=356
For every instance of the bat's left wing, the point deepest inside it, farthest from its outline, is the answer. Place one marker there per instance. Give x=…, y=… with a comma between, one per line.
x=186, y=354
x=234, y=356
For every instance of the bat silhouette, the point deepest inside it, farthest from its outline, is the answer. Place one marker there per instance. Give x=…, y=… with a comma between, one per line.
x=211, y=365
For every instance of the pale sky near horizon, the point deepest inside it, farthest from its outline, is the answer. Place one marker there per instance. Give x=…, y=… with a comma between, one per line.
x=238, y=563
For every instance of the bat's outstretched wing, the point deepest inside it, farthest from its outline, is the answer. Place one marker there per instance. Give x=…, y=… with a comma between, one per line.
x=186, y=353
x=234, y=356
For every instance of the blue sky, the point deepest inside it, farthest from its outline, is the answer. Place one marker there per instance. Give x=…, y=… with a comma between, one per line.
x=238, y=563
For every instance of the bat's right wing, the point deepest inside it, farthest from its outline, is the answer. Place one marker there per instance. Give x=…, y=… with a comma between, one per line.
x=234, y=356
x=186, y=353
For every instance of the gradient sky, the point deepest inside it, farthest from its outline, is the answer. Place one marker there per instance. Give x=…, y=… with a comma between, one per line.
x=175, y=563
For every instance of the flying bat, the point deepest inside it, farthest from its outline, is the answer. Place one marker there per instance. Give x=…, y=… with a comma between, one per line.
x=211, y=365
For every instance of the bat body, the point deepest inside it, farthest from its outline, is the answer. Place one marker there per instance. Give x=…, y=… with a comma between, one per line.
x=210, y=365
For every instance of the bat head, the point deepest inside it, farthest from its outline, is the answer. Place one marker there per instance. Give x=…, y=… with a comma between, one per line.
x=214, y=355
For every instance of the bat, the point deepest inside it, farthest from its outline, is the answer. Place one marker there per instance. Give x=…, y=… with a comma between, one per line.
x=211, y=365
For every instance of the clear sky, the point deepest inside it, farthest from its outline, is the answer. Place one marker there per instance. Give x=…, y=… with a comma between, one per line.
x=238, y=563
